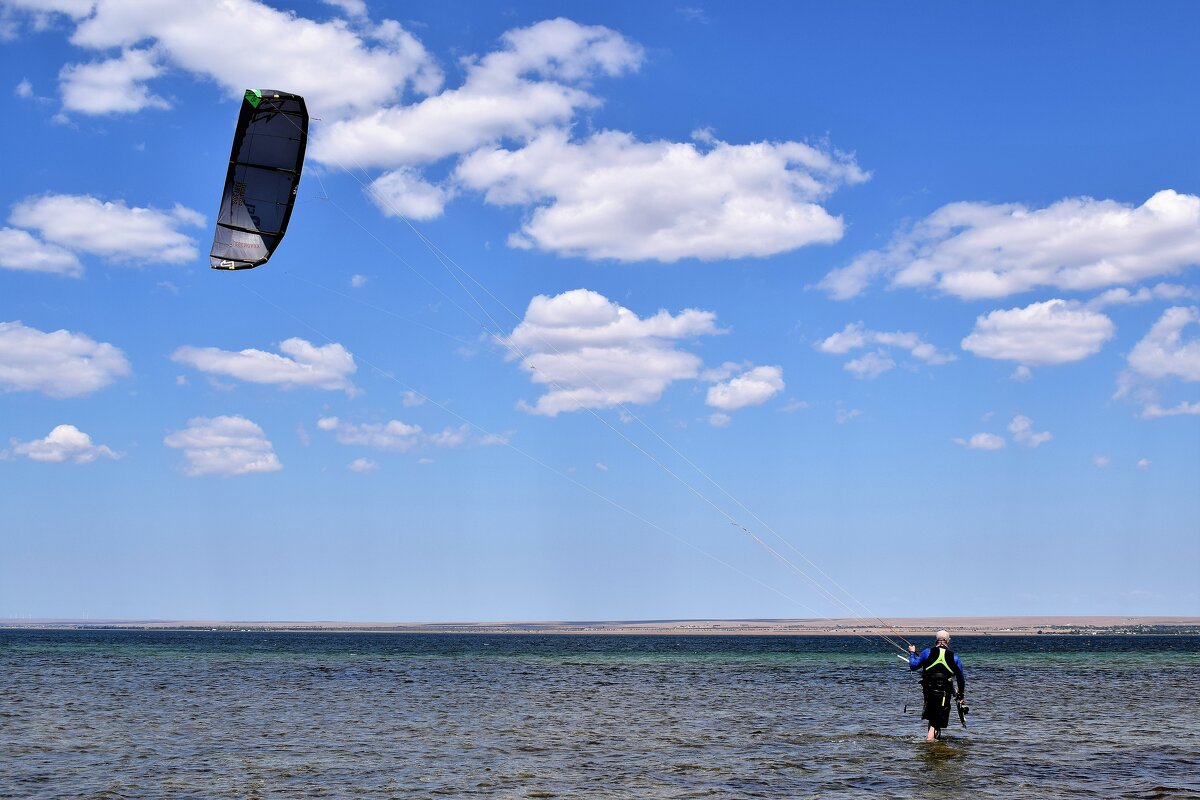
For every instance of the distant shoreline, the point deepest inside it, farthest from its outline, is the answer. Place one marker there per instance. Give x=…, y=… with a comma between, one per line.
x=915, y=627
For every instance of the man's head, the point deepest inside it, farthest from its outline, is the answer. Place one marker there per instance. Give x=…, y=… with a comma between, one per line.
x=943, y=637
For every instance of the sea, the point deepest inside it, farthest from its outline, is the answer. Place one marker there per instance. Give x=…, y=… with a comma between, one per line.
x=214, y=714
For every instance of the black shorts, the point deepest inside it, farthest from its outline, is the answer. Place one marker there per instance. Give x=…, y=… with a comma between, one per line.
x=938, y=702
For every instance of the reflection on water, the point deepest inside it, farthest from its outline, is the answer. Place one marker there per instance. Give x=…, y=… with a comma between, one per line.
x=191, y=714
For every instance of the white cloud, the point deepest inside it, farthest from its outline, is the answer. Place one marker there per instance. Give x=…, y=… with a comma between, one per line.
x=793, y=406
x=976, y=250
x=1155, y=411
x=303, y=364
x=602, y=466
x=1101, y=461
x=24, y=89
x=870, y=365
x=982, y=441
x=403, y=193
x=351, y=8
x=115, y=85
x=752, y=388
x=58, y=364
x=20, y=250
x=719, y=420
x=226, y=446
x=85, y=224
x=1143, y=463
x=593, y=353
x=510, y=93
x=362, y=465
x=1022, y=431
x=1121, y=296
x=64, y=443
x=873, y=364
x=1051, y=332
x=412, y=399
x=1164, y=353
x=1022, y=374
x=336, y=68
x=396, y=435
x=612, y=196
x=358, y=281
x=844, y=415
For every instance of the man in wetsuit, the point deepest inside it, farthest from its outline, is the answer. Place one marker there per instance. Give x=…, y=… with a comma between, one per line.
x=939, y=669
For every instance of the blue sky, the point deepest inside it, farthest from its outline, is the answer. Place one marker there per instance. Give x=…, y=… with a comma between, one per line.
x=913, y=289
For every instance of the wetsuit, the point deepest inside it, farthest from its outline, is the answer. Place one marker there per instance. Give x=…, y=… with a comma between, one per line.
x=939, y=669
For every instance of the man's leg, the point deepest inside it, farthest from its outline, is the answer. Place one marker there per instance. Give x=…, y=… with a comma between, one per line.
x=932, y=735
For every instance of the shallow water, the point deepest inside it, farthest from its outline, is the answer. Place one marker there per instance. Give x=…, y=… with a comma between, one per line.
x=208, y=714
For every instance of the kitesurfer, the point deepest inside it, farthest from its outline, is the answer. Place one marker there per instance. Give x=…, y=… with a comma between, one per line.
x=940, y=668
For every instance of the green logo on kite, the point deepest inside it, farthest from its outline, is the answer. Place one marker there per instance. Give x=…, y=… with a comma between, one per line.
x=253, y=97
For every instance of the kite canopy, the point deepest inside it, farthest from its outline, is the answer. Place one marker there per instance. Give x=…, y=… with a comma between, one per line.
x=264, y=174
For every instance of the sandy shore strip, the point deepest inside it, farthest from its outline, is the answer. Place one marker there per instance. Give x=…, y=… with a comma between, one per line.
x=905, y=626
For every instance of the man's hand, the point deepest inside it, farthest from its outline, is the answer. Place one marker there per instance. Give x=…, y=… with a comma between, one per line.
x=912, y=648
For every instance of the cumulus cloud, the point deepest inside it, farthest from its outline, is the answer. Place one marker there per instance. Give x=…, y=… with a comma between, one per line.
x=1022, y=431
x=319, y=60
x=65, y=443
x=719, y=420
x=752, y=388
x=982, y=441
x=114, y=85
x=531, y=82
x=978, y=250
x=594, y=353
x=358, y=281
x=58, y=364
x=24, y=89
x=20, y=250
x=302, y=364
x=1143, y=463
x=873, y=364
x=225, y=446
x=612, y=196
x=362, y=465
x=844, y=415
x=1022, y=374
x=1121, y=296
x=398, y=436
x=403, y=193
x=1051, y=332
x=112, y=230
x=1155, y=411
x=1164, y=352
x=1101, y=461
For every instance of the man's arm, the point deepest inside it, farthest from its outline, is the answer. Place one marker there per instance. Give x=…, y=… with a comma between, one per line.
x=960, y=675
x=915, y=661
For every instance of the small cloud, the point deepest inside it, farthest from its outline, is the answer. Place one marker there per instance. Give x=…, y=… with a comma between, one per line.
x=424, y=460
x=870, y=365
x=753, y=387
x=1155, y=411
x=1022, y=430
x=692, y=14
x=1101, y=461
x=302, y=435
x=358, y=281
x=844, y=415
x=719, y=420
x=792, y=406
x=982, y=441
x=301, y=364
x=225, y=446
x=493, y=439
x=167, y=286
x=601, y=466
x=64, y=443
x=1022, y=374
x=362, y=465
x=412, y=399
x=181, y=380
x=24, y=89
x=1143, y=463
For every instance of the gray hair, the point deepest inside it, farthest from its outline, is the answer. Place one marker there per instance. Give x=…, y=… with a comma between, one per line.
x=943, y=636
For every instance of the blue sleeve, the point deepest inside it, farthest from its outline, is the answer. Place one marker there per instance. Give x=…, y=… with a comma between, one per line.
x=961, y=674
x=915, y=661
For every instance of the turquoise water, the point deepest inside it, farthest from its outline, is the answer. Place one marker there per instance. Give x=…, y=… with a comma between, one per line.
x=200, y=714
